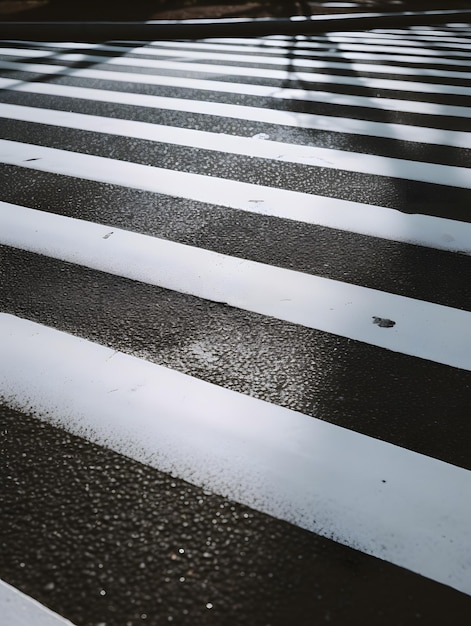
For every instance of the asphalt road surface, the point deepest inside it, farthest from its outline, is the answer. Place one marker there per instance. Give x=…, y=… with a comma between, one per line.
x=236, y=329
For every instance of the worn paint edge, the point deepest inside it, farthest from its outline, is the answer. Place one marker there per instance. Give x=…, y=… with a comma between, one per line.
x=386, y=501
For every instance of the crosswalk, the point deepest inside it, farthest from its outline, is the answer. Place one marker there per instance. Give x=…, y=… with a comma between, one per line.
x=240, y=269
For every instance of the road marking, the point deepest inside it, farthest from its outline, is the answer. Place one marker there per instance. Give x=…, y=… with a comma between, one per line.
x=389, y=502
x=451, y=176
x=352, y=48
x=260, y=46
x=364, y=219
x=410, y=39
x=19, y=609
x=253, y=72
x=400, y=42
x=400, y=132
x=425, y=35
x=372, y=102
x=197, y=54
x=295, y=50
x=415, y=327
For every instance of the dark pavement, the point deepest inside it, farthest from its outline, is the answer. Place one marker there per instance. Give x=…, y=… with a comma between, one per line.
x=108, y=539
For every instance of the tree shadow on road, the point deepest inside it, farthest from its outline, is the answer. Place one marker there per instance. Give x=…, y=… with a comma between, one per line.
x=352, y=382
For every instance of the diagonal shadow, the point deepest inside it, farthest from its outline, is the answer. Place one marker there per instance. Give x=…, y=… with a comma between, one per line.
x=66, y=68
x=423, y=424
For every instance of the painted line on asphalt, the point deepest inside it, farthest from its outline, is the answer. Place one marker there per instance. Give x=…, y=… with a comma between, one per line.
x=253, y=72
x=295, y=50
x=318, y=47
x=414, y=33
x=401, y=42
x=364, y=219
x=259, y=46
x=439, y=39
x=329, y=158
x=18, y=609
x=343, y=44
x=213, y=54
x=414, y=327
x=357, y=490
x=366, y=102
x=451, y=35
x=400, y=132
x=393, y=59
x=293, y=63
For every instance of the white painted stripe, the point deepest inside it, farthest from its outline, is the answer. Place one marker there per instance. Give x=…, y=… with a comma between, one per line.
x=294, y=63
x=386, y=104
x=399, y=41
x=257, y=72
x=374, y=47
x=386, y=501
x=31, y=53
x=230, y=144
x=353, y=48
x=282, y=61
x=412, y=36
x=19, y=609
x=297, y=51
x=422, y=329
x=401, y=132
x=292, y=42
x=454, y=43
x=427, y=34
x=210, y=44
x=355, y=217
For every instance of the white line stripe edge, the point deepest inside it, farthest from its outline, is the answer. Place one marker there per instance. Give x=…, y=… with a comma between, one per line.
x=283, y=152
x=404, y=132
x=364, y=219
x=250, y=72
x=249, y=56
x=422, y=329
x=387, y=104
x=359, y=491
x=18, y=609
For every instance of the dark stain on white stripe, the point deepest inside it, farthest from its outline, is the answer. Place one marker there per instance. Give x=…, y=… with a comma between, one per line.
x=383, y=322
